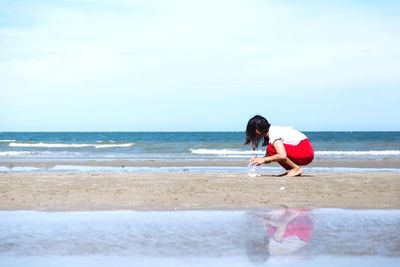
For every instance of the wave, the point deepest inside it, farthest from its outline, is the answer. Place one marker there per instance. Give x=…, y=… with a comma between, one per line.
x=317, y=153
x=226, y=152
x=7, y=141
x=113, y=145
x=359, y=153
x=49, y=145
x=40, y=154
x=15, y=153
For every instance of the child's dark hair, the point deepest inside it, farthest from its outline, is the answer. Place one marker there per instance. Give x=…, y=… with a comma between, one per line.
x=257, y=123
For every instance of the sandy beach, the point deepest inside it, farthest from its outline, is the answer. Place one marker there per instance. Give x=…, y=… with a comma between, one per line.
x=54, y=191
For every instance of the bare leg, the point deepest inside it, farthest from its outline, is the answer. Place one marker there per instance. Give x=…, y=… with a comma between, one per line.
x=286, y=167
x=294, y=169
x=281, y=225
x=272, y=217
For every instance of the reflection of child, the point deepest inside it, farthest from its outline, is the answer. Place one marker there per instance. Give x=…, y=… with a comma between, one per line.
x=292, y=232
x=288, y=230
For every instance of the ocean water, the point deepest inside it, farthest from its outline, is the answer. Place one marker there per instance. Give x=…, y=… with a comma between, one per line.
x=186, y=145
x=319, y=237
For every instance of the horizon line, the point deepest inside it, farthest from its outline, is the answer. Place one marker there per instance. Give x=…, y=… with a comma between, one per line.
x=187, y=131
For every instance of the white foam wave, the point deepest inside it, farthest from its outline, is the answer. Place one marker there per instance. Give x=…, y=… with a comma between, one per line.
x=39, y=154
x=231, y=152
x=113, y=145
x=15, y=153
x=49, y=145
x=226, y=152
x=359, y=153
x=7, y=141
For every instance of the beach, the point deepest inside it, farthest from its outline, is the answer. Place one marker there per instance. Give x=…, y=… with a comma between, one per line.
x=77, y=191
x=91, y=171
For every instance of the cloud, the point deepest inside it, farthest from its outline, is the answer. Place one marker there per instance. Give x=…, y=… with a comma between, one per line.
x=140, y=49
x=204, y=42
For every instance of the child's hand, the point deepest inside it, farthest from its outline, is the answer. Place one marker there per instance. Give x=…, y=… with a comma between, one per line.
x=257, y=161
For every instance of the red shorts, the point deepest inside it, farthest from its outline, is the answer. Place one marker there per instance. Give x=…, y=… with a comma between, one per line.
x=302, y=226
x=301, y=154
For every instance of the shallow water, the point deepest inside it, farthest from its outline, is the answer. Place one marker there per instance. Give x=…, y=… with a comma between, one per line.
x=320, y=237
x=191, y=169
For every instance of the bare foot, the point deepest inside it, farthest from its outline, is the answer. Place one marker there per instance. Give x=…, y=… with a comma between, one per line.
x=295, y=172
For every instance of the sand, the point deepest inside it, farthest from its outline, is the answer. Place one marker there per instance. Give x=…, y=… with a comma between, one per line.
x=52, y=191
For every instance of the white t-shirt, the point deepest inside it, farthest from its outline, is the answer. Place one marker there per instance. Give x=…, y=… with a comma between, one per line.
x=287, y=135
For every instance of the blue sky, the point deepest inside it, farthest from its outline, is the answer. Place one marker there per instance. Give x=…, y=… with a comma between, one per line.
x=205, y=65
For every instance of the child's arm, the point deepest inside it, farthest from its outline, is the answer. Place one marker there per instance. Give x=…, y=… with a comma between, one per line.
x=280, y=155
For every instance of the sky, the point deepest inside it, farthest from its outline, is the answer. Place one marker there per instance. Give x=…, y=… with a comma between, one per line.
x=200, y=65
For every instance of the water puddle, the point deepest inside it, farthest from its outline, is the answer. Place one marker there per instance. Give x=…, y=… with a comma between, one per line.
x=267, y=237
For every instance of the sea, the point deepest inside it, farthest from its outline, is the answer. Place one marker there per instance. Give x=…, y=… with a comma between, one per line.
x=189, y=146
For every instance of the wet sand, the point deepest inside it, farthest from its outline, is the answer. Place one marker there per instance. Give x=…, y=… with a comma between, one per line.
x=169, y=191
x=49, y=163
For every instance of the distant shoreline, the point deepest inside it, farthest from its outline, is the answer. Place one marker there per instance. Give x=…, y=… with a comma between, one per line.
x=104, y=162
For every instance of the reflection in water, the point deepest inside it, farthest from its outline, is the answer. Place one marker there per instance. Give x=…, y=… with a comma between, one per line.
x=277, y=232
x=321, y=237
